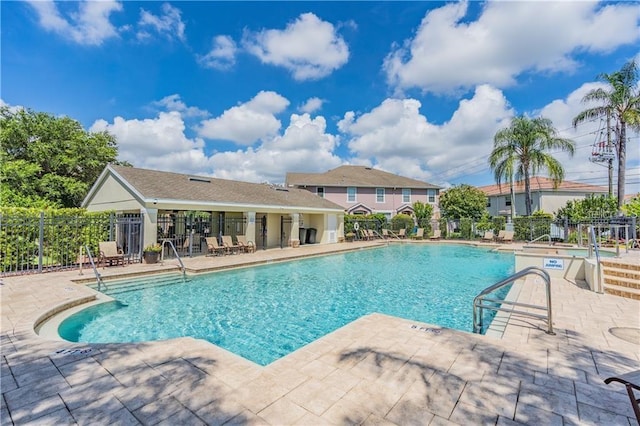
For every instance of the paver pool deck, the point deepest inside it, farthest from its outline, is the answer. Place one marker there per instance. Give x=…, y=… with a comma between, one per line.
x=378, y=370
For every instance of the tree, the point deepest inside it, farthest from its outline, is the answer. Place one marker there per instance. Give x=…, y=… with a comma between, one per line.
x=621, y=100
x=423, y=212
x=594, y=206
x=463, y=201
x=522, y=148
x=49, y=161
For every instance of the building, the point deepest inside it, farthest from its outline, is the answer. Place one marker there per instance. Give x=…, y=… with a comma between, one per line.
x=544, y=196
x=365, y=190
x=185, y=209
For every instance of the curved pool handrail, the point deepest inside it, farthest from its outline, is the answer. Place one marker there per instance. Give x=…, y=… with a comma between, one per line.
x=478, y=304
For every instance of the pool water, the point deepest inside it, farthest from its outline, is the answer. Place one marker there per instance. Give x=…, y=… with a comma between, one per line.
x=263, y=313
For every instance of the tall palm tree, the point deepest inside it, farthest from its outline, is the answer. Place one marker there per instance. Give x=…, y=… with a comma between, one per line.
x=521, y=149
x=622, y=100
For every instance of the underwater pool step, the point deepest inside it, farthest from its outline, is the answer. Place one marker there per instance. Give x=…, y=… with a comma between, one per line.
x=120, y=286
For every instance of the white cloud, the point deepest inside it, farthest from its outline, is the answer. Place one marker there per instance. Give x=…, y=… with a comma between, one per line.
x=304, y=146
x=397, y=137
x=309, y=47
x=174, y=103
x=222, y=55
x=312, y=105
x=169, y=24
x=248, y=122
x=508, y=38
x=158, y=143
x=89, y=25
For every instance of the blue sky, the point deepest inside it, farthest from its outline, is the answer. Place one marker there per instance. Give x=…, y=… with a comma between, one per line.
x=252, y=90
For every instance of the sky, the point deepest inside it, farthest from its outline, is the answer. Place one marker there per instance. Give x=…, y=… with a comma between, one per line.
x=253, y=90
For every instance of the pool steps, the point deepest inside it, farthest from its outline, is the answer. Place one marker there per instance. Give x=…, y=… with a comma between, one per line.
x=621, y=279
x=114, y=287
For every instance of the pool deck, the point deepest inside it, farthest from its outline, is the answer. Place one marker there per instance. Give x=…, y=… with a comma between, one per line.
x=377, y=370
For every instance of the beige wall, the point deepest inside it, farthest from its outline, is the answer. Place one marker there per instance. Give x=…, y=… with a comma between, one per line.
x=113, y=196
x=573, y=268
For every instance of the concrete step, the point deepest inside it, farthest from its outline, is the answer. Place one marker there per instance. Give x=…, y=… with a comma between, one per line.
x=622, y=282
x=621, y=273
x=620, y=265
x=626, y=292
x=114, y=287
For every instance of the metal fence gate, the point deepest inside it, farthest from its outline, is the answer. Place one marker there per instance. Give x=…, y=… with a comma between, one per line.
x=49, y=242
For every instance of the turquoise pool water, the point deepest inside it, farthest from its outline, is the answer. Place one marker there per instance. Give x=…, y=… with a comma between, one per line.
x=263, y=313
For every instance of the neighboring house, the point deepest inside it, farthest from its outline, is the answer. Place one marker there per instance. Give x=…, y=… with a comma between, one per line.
x=186, y=208
x=365, y=190
x=544, y=196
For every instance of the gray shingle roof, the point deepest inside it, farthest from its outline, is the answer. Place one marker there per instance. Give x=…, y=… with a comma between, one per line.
x=358, y=176
x=175, y=186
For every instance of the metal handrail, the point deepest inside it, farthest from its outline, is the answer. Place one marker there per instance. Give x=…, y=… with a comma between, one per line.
x=478, y=304
x=95, y=270
x=184, y=270
x=541, y=237
x=593, y=248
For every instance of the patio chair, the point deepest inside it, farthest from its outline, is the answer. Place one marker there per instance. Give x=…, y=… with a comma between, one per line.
x=500, y=236
x=437, y=234
x=419, y=234
x=507, y=238
x=386, y=234
x=631, y=381
x=402, y=233
x=488, y=236
x=109, y=252
x=229, y=245
x=213, y=247
x=245, y=245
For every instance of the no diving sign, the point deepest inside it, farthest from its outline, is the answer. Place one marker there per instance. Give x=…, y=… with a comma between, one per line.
x=551, y=263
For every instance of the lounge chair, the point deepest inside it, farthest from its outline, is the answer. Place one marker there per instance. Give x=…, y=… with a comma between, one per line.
x=213, y=247
x=402, y=233
x=500, y=236
x=388, y=234
x=437, y=234
x=631, y=381
x=419, y=234
x=488, y=236
x=507, y=238
x=109, y=252
x=228, y=244
x=245, y=245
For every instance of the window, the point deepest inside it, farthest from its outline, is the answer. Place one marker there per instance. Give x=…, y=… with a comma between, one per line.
x=351, y=194
x=406, y=195
x=379, y=195
x=320, y=191
x=431, y=193
x=507, y=201
x=488, y=202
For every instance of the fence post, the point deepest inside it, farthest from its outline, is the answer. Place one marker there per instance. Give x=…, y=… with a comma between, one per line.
x=111, y=226
x=566, y=229
x=41, y=242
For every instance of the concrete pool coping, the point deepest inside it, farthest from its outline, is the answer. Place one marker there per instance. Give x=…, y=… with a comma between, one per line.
x=376, y=370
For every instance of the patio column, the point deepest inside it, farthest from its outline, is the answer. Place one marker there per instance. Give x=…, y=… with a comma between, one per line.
x=250, y=232
x=295, y=229
x=150, y=226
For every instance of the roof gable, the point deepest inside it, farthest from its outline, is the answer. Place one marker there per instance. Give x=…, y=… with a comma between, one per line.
x=356, y=176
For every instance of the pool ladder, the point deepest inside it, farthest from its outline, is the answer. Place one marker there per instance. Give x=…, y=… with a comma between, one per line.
x=483, y=301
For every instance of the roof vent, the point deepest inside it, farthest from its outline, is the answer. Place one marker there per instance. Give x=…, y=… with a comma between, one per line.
x=279, y=188
x=367, y=168
x=199, y=179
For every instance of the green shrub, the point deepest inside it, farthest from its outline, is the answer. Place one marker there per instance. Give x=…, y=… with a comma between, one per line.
x=466, y=226
x=401, y=221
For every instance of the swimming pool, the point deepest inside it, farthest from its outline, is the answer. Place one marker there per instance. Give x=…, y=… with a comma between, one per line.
x=263, y=313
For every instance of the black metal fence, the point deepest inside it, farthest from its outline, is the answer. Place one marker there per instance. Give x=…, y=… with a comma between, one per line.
x=46, y=241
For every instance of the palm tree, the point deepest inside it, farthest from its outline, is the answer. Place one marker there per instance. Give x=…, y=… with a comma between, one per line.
x=521, y=149
x=622, y=101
